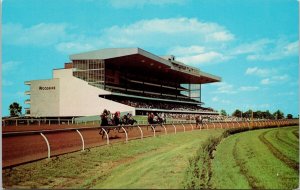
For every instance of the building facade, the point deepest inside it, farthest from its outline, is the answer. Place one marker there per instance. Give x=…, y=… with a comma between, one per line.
x=118, y=79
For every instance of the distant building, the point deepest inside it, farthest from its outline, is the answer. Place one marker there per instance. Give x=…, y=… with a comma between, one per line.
x=118, y=79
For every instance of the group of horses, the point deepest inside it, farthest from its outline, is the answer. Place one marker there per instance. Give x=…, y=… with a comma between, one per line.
x=116, y=120
x=156, y=118
x=153, y=119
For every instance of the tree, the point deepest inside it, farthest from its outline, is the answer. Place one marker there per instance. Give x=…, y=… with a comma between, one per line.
x=248, y=114
x=237, y=113
x=289, y=116
x=15, y=109
x=258, y=114
x=278, y=114
x=267, y=115
x=223, y=112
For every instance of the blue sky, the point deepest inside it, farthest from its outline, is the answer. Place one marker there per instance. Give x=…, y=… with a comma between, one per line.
x=252, y=45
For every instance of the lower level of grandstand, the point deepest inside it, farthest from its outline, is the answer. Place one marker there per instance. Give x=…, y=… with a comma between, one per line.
x=145, y=105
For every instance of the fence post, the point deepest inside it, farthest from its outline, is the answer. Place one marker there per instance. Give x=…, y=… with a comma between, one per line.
x=174, y=128
x=39, y=122
x=82, y=140
x=48, y=145
x=206, y=125
x=141, y=132
x=58, y=121
x=183, y=127
x=214, y=125
x=27, y=122
x=153, y=130
x=192, y=126
x=125, y=134
x=107, y=138
x=221, y=125
x=16, y=122
x=165, y=129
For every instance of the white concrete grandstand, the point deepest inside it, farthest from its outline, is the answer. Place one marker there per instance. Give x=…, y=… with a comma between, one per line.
x=119, y=79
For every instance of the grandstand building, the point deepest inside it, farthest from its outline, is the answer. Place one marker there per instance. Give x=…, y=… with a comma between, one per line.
x=119, y=79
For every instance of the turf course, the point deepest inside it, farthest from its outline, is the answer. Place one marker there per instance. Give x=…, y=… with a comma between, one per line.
x=264, y=159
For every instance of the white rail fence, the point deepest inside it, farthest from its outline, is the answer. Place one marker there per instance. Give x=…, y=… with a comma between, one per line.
x=213, y=125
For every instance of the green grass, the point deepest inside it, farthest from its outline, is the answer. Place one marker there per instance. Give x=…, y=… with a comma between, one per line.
x=257, y=159
x=156, y=162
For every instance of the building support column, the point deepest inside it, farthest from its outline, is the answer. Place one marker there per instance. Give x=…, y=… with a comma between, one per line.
x=200, y=96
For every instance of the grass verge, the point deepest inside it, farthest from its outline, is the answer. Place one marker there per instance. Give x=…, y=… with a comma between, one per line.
x=255, y=159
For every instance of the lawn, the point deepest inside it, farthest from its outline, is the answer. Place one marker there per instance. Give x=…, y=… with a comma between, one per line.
x=156, y=162
x=264, y=159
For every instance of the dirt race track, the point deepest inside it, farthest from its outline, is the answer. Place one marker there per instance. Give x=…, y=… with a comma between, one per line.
x=21, y=144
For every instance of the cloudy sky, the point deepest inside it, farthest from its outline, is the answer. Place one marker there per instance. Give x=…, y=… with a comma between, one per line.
x=252, y=45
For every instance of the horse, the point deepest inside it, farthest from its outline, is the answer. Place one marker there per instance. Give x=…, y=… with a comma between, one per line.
x=106, y=121
x=155, y=120
x=199, y=121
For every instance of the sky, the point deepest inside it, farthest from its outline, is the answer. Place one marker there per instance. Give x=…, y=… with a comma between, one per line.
x=251, y=45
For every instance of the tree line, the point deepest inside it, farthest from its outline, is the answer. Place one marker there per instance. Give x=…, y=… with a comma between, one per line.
x=258, y=114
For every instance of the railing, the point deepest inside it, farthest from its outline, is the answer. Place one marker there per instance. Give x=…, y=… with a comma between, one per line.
x=25, y=146
x=40, y=121
x=59, y=121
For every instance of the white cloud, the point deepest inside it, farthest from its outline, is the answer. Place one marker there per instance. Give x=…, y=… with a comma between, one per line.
x=265, y=81
x=276, y=50
x=184, y=51
x=286, y=94
x=215, y=99
x=220, y=36
x=194, y=55
x=207, y=57
x=253, y=47
x=166, y=32
x=74, y=47
x=10, y=66
x=260, y=72
x=249, y=88
x=142, y=3
x=221, y=101
x=291, y=48
x=40, y=35
x=275, y=79
x=224, y=88
x=158, y=33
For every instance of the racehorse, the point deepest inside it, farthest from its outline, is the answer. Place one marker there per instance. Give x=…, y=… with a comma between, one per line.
x=154, y=120
x=106, y=121
x=199, y=121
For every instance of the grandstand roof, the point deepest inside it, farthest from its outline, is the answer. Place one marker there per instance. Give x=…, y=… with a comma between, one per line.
x=139, y=58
